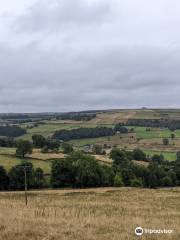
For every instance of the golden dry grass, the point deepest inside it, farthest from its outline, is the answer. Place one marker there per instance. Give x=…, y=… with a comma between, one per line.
x=113, y=117
x=94, y=214
x=37, y=154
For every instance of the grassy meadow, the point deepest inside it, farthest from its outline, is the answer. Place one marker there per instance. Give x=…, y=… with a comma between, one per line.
x=171, y=156
x=94, y=214
x=9, y=160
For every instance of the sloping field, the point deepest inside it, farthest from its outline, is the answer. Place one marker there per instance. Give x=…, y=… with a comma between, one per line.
x=94, y=214
x=9, y=161
x=157, y=113
x=48, y=129
x=113, y=117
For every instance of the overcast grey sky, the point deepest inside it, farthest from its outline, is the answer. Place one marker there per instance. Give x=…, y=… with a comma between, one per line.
x=68, y=55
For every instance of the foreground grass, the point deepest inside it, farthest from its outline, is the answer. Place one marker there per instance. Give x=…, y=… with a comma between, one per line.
x=99, y=214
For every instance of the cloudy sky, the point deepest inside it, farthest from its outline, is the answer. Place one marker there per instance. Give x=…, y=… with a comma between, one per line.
x=68, y=55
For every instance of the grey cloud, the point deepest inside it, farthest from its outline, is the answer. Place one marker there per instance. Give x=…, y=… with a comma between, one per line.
x=104, y=60
x=54, y=15
x=54, y=81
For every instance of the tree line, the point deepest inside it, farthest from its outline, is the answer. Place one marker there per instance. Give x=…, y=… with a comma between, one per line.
x=172, y=124
x=77, y=116
x=79, y=170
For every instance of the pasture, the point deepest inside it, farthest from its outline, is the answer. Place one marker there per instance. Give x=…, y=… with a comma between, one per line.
x=9, y=160
x=94, y=214
x=149, y=141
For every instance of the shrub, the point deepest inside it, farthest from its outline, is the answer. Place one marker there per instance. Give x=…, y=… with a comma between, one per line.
x=118, y=127
x=98, y=150
x=119, y=157
x=158, y=158
x=165, y=141
x=139, y=155
x=118, y=182
x=67, y=148
x=44, y=149
x=136, y=182
x=167, y=182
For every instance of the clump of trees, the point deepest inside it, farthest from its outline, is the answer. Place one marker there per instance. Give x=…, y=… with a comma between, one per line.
x=122, y=129
x=97, y=149
x=40, y=141
x=165, y=141
x=52, y=145
x=23, y=147
x=79, y=170
x=67, y=148
x=139, y=155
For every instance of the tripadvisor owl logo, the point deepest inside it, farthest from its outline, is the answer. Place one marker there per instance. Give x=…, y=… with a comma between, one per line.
x=139, y=231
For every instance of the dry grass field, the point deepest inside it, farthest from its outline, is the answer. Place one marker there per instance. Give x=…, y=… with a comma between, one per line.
x=94, y=214
x=113, y=117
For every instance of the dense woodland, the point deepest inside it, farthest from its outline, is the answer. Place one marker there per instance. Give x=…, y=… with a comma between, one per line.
x=79, y=133
x=11, y=131
x=76, y=116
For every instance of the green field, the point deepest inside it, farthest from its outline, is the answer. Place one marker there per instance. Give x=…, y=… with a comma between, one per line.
x=9, y=160
x=139, y=132
x=150, y=141
x=154, y=132
x=50, y=127
x=82, y=142
x=170, y=156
